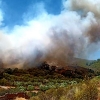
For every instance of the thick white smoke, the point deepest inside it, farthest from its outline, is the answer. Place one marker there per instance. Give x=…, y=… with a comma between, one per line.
x=75, y=32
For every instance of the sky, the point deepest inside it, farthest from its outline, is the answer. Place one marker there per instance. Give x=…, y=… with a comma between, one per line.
x=14, y=10
x=42, y=24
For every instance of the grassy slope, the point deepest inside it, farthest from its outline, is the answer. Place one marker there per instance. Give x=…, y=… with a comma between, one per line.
x=96, y=65
x=92, y=64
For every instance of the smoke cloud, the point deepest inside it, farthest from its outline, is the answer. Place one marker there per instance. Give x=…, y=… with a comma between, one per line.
x=58, y=39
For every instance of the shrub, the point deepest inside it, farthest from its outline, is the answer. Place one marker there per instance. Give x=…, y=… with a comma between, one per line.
x=21, y=88
x=82, y=91
x=30, y=87
x=3, y=81
x=44, y=87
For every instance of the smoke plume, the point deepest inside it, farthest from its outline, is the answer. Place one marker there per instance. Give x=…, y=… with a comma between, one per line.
x=74, y=33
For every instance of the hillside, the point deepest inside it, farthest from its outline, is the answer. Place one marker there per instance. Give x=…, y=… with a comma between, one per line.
x=91, y=64
x=36, y=81
x=95, y=65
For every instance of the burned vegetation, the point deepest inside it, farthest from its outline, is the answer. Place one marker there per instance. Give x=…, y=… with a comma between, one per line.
x=44, y=69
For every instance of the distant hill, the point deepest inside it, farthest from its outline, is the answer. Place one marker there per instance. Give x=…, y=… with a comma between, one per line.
x=92, y=64
x=95, y=65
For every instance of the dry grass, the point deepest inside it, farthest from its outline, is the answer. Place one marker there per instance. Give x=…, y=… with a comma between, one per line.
x=86, y=90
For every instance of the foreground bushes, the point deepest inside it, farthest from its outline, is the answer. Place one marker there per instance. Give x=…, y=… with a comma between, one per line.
x=83, y=91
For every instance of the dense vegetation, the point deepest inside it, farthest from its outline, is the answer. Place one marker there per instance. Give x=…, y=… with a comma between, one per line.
x=47, y=82
x=44, y=71
x=86, y=90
